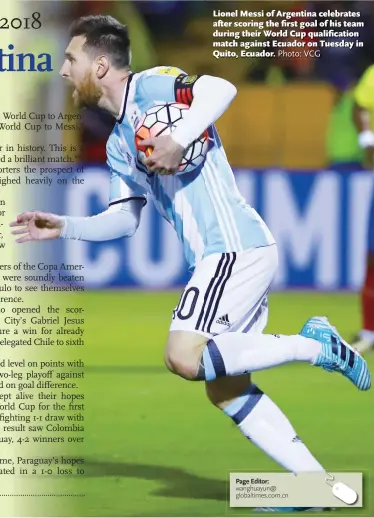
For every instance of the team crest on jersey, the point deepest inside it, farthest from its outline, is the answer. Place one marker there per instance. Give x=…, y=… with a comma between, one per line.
x=169, y=71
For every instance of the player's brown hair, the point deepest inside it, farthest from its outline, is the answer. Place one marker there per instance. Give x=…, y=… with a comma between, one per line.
x=104, y=34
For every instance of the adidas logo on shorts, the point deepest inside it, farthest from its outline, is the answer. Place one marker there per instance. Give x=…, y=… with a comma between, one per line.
x=224, y=320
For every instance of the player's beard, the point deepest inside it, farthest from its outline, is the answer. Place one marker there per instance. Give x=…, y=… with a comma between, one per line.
x=87, y=93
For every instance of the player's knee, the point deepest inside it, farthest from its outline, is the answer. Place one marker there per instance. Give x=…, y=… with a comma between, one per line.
x=182, y=357
x=184, y=365
x=181, y=366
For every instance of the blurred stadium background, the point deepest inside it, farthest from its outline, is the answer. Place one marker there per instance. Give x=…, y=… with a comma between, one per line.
x=154, y=446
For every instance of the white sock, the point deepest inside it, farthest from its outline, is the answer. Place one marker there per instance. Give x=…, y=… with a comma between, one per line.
x=261, y=421
x=230, y=354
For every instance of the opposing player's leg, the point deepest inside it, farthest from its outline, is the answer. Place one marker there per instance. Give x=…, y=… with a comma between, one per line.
x=365, y=339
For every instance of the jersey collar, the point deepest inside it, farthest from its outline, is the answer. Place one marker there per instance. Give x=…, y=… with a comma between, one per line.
x=124, y=100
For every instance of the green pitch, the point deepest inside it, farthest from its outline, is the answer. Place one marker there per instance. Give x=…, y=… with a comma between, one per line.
x=155, y=446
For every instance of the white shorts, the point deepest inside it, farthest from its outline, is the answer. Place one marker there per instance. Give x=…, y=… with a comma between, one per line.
x=228, y=292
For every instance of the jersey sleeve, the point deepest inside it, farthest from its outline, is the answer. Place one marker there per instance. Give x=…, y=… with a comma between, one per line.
x=122, y=188
x=168, y=84
x=364, y=91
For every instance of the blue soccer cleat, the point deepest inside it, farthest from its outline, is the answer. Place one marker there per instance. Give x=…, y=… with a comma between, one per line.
x=336, y=354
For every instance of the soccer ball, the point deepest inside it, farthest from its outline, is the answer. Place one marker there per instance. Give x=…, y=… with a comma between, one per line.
x=162, y=119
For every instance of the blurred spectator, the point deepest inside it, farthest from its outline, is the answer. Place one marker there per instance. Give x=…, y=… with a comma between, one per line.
x=363, y=113
x=342, y=148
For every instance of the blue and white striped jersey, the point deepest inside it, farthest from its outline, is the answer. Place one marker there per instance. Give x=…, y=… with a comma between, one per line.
x=204, y=207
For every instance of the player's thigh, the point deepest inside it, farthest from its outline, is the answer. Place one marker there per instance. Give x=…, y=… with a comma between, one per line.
x=197, y=304
x=227, y=292
x=224, y=391
x=194, y=314
x=242, y=307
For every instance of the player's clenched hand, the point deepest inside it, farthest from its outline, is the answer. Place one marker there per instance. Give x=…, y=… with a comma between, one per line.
x=166, y=155
x=35, y=226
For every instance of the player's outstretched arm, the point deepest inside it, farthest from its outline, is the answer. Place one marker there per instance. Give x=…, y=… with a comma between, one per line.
x=120, y=220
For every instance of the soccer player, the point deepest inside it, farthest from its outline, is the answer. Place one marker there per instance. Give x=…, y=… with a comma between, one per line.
x=364, y=120
x=216, y=333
